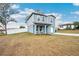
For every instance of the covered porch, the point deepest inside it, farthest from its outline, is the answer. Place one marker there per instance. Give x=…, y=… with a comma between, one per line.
x=42, y=28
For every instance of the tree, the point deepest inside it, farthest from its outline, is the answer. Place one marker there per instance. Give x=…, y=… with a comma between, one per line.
x=5, y=13
x=76, y=24
x=2, y=22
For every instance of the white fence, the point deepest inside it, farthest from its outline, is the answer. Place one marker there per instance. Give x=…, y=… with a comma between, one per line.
x=12, y=31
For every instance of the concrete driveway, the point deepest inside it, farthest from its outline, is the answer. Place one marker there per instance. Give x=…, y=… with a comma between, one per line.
x=67, y=34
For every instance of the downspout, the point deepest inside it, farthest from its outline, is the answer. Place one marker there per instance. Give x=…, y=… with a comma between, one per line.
x=54, y=25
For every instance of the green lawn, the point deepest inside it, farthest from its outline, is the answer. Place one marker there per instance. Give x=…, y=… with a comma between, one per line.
x=29, y=44
x=69, y=31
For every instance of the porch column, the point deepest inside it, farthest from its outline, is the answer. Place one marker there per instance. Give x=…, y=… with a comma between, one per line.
x=45, y=29
x=38, y=30
x=34, y=29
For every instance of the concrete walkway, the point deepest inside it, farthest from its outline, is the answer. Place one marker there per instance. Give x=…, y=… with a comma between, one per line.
x=67, y=34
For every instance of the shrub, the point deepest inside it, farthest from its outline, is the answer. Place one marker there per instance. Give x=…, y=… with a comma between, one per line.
x=22, y=26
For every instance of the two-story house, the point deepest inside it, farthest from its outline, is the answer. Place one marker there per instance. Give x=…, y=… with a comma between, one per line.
x=40, y=24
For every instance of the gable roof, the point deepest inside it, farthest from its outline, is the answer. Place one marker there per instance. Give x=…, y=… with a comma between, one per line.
x=38, y=14
x=52, y=15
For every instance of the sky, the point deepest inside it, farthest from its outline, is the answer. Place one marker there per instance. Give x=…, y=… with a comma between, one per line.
x=65, y=12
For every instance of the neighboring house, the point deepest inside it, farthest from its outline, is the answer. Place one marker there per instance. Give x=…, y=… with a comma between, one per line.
x=13, y=28
x=40, y=24
x=68, y=26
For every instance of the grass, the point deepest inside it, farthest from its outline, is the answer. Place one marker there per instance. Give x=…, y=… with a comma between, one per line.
x=29, y=44
x=69, y=31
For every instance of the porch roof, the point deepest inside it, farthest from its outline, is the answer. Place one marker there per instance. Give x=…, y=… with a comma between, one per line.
x=43, y=23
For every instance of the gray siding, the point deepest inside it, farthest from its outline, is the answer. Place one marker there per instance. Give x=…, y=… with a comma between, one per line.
x=41, y=19
x=30, y=24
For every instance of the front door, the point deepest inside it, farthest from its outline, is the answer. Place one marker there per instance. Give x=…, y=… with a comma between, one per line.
x=40, y=30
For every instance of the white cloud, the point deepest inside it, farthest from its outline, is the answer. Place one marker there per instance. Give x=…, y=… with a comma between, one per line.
x=20, y=18
x=22, y=14
x=75, y=16
x=26, y=11
x=29, y=11
x=67, y=22
x=12, y=25
x=15, y=25
x=57, y=15
x=76, y=4
x=15, y=6
x=75, y=12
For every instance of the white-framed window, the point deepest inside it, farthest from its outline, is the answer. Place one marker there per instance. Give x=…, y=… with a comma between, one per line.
x=43, y=18
x=38, y=18
x=51, y=20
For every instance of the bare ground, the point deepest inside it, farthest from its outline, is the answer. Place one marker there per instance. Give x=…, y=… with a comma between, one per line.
x=24, y=44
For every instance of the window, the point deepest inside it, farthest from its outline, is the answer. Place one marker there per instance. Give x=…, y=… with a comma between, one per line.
x=38, y=19
x=43, y=18
x=37, y=28
x=51, y=21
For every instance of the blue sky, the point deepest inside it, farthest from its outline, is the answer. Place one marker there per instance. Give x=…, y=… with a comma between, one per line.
x=69, y=11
